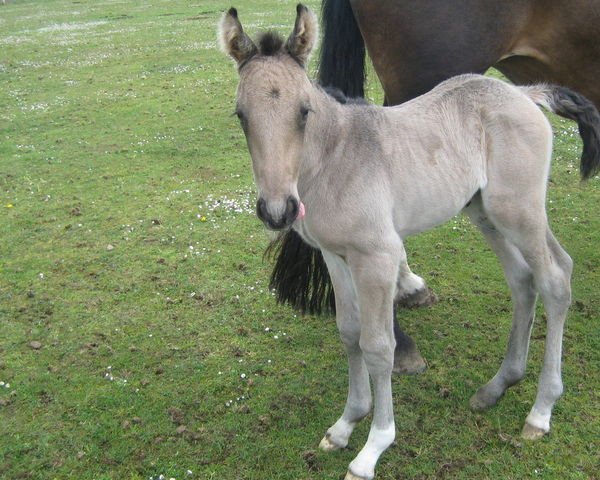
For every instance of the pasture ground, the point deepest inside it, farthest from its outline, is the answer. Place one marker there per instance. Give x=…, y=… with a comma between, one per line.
x=137, y=334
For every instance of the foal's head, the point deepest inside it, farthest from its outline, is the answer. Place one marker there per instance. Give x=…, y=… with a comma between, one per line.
x=273, y=106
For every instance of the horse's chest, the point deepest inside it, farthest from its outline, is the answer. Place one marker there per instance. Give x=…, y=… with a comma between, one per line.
x=303, y=230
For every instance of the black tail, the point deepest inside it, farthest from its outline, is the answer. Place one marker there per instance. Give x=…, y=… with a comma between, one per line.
x=572, y=105
x=300, y=277
x=342, y=60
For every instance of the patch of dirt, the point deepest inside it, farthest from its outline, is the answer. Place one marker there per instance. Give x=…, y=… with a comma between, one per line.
x=176, y=415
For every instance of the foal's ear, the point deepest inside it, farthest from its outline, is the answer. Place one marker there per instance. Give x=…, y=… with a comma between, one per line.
x=233, y=39
x=306, y=31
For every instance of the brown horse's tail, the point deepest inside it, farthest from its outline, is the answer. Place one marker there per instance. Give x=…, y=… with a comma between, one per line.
x=572, y=105
x=300, y=277
x=342, y=60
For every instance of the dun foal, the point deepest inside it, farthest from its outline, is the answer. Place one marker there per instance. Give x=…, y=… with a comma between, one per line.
x=354, y=180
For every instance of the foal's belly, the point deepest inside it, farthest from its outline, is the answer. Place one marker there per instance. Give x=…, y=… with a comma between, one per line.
x=430, y=209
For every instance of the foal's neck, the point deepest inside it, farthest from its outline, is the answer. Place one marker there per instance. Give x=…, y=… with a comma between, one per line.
x=325, y=130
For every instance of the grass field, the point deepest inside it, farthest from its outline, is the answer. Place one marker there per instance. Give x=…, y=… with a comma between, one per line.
x=137, y=334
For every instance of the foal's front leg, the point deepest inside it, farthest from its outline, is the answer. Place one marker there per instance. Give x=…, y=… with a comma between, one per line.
x=373, y=277
x=358, y=403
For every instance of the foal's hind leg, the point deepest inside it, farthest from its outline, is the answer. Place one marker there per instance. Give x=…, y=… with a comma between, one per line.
x=554, y=285
x=525, y=225
x=358, y=403
x=520, y=280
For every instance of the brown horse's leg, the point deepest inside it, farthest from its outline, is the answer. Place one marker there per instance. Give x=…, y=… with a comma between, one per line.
x=421, y=298
x=411, y=291
x=407, y=358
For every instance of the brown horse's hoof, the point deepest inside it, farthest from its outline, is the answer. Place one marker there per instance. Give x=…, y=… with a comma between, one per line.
x=408, y=362
x=420, y=298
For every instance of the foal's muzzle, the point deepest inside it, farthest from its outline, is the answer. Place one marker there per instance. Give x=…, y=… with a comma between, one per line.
x=278, y=220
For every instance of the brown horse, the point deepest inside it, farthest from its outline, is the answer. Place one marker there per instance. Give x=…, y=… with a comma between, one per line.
x=416, y=45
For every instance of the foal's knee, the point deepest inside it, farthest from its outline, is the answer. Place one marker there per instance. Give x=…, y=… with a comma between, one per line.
x=350, y=338
x=562, y=257
x=349, y=328
x=557, y=288
x=557, y=281
x=378, y=352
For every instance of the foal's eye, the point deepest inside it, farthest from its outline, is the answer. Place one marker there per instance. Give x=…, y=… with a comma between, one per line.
x=241, y=118
x=304, y=109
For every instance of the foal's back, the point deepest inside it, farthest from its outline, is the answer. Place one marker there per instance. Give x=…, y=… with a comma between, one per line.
x=467, y=135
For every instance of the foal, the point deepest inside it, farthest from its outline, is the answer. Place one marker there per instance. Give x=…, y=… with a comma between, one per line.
x=354, y=180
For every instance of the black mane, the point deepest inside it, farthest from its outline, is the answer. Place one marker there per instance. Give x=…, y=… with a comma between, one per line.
x=340, y=97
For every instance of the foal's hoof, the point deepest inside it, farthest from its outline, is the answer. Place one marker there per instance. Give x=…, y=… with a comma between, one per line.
x=327, y=444
x=421, y=298
x=480, y=402
x=408, y=363
x=351, y=476
x=532, y=433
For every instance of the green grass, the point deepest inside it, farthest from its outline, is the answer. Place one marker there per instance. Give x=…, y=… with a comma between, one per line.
x=130, y=253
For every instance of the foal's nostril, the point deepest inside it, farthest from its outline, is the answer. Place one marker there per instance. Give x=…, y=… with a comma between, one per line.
x=292, y=209
x=261, y=209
